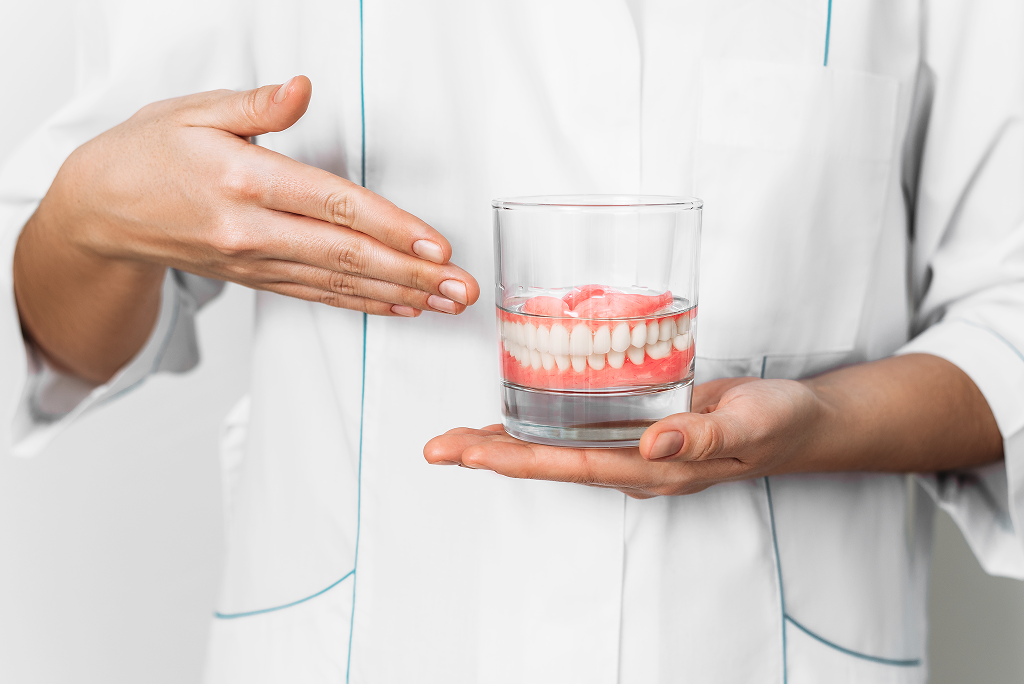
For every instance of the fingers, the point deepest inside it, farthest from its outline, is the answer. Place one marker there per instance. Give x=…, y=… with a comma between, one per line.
x=493, y=449
x=290, y=186
x=353, y=303
x=247, y=113
x=621, y=469
x=350, y=285
x=447, y=449
x=339, y=259
x=345, y=228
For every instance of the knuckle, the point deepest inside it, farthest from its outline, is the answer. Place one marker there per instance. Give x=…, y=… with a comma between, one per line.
x=424, y=278
x=232, y=240
x=239, y=182
x=710, y=443
x=339, y=208
x=347, y=256
x=343, y=284
x=146, y=112
x=250, y=107
x=331, y=299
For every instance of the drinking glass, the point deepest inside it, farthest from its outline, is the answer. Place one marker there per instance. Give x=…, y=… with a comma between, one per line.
x=597, y=313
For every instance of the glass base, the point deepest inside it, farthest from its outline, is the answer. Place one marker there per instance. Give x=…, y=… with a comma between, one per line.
x=611, y=418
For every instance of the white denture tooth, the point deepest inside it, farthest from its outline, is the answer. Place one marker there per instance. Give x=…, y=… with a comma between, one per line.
x=603, y=340
x=558, y=340
x=596, y=361
x=520, y=337
x=535, y=360
x=681, y=342
x=683, y=324
x=579, y=363
x=562, y=361
x=620, y=337
x=547, y=360
x=581, y=342
x=666, y=330
x=524, y=357
x=616, y=359
x=542, y=338
x=638, y=338
x=531, y=335
x=653, y=330
x=517, y=351
x=636, y=355
x=659, y=350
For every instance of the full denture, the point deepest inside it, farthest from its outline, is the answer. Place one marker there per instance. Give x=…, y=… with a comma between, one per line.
x=564, y=352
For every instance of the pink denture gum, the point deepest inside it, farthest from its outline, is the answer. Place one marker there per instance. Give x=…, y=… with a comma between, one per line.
x=595, y=337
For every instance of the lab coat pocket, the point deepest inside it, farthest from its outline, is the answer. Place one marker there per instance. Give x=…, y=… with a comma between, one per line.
x=793, y=164
x=812, y=660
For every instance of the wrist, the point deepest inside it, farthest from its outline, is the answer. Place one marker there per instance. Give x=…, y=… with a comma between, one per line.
x=826, y=432
x=86, y=313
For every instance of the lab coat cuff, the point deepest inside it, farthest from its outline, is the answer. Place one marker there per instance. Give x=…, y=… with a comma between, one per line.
x=987, y=502
x=51, y=400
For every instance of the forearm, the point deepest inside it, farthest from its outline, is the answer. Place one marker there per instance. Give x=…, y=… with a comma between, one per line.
x=88, y=314
x=912, y=413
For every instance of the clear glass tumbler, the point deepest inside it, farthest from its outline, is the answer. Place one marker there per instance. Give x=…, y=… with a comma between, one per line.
x=597, y=306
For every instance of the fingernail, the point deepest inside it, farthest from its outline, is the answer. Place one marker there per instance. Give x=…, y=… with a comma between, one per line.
x=403, y=310
x=453, y=289
x=282, y=92
x=441, y=304
x=446, y=463
x=431, y=251
x=667, y=444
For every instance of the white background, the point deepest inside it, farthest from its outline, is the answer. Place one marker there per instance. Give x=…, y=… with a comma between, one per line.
x=110, y=543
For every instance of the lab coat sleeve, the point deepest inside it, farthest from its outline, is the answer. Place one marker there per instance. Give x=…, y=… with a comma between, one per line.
x=129, y=54
x=968, y=256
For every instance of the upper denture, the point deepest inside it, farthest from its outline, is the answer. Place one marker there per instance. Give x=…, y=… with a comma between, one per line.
x=597, y=301
x=585, y=350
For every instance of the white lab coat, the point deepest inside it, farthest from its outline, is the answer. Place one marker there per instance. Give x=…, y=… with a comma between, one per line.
x=854, y=210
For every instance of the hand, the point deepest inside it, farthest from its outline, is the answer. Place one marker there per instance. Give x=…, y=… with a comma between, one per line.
x=179, y=185
x=913, y=413
x=741, y=428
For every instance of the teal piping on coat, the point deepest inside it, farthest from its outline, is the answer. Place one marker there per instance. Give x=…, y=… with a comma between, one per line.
x=828, y=30
x=362, y=395
x=250, y=613
x=892, y=662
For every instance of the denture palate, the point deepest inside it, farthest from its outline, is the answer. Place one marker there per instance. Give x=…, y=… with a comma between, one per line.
x=576, y=345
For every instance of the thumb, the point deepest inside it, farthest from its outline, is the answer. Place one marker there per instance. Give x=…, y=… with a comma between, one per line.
x=247, y=113
x=685, y=437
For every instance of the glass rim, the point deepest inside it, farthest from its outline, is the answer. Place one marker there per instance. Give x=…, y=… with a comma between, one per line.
x=591, y=202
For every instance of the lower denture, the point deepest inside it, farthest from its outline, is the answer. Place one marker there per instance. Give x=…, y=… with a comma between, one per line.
x=565, y=344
